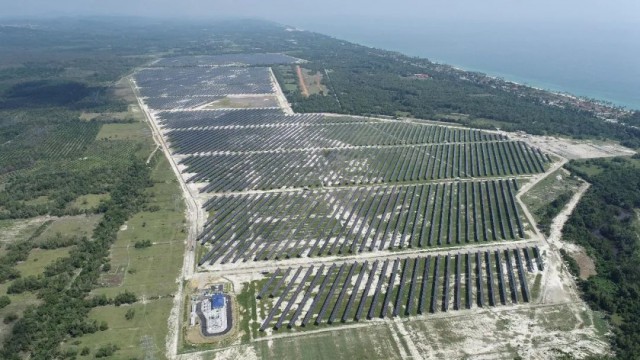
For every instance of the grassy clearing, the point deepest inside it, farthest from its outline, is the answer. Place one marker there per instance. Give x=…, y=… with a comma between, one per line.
x=81, y=225
x=89, y=201
x=313, y=80
x=39, y=259
x=19, y=303
x=131, y=131
x=228, y=104
x=361, y=343
x=549, y=189
x=289, y=79
x=141, y=337
x=18, y=230
x=150, y=271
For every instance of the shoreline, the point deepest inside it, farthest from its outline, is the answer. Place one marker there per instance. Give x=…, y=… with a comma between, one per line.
x=614, y=98
x=565, y=93
x=555, y=92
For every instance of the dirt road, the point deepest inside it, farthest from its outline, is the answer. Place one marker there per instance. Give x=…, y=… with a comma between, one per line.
x=303, y=86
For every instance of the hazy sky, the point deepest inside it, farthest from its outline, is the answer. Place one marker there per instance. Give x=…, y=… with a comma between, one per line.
x=297, y=12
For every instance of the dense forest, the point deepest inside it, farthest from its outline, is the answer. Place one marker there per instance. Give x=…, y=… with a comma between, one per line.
x=606, y=223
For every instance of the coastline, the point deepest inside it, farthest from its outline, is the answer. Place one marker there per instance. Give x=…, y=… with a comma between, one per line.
x=433, y=43
x=568, y=93
x=563, y=93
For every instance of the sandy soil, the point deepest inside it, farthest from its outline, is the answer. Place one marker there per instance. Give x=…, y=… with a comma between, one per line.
x=282, y=100
x=9, y=234
x=573, y=149
x=303, y=86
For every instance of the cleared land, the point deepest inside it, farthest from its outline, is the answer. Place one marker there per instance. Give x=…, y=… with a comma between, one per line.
x=320, y=222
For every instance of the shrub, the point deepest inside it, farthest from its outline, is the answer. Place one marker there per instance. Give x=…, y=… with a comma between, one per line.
x=10, y=318
x=126, y=297
x=106, y=350
x=130, y=314
x=4, y=301
x=142, y=244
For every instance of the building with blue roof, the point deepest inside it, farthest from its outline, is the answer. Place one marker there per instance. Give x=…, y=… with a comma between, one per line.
x=217, y=301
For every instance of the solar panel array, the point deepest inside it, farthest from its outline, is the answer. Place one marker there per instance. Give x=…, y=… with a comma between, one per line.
x=400, y=287
x=284, y=186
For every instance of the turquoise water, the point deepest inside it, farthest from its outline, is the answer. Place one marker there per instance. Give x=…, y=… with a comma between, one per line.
x=600, y=61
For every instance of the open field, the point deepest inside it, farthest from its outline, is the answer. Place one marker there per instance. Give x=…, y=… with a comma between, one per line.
x=312, y=81
x=548, y=190
x=147, y=271
x=141, y=337
x=81, y=225
x=244, y=102
x=18, y=230
x=575, y=149
x=150, y=271
x=39, y=259
x=126, y=131
x=89, y=201
x=319, y=223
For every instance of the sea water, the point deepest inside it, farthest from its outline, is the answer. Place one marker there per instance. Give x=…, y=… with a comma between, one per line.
x=595, y=60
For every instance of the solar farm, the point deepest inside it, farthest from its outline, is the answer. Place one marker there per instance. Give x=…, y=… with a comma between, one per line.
x=329, y=220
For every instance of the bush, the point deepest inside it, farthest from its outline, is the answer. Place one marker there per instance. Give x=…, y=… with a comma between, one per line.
x=106, y=350
x=125, y=298
x=130, y=314
x=4, y=301
x=142, y=244
x=99, y=300
x=10, y=318
x=30, y=283
x=85, y=351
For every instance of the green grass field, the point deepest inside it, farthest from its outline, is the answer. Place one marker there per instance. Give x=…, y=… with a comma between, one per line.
x=132, y=131
x=39, y=259
x=81, y=225
x=549, y=189
x=148, y=272
x=89, y=201
x=372, y=342
x=142, y=337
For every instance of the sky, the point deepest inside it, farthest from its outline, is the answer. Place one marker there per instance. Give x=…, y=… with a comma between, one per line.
x=297, y=12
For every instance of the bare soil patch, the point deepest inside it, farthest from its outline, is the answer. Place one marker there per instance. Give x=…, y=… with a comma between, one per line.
x=303, y=86
x=585, y=262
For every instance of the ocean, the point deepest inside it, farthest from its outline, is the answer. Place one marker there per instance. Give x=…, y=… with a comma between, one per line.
x=600, y=61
